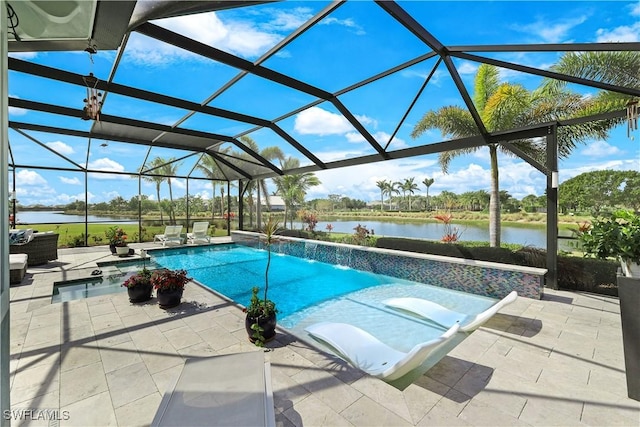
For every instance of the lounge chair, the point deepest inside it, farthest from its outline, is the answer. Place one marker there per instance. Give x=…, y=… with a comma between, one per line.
x=445, y=317
x=376, y=358
x=227, y=390
x=171, y=235
x=199, y=233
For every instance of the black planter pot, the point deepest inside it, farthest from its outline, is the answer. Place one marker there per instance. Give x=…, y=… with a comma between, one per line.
x=629, y=296
x=112, y=248
x=169, y=299
x=266, y=323
x=140, y=293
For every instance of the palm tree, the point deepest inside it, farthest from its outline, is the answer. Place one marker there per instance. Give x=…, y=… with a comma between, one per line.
x=427, y=183
x=209, y=167
x=169, y=169
x=408, y=186
x=505, y=106
x=269, y=153
x=156, y=179
x=292, y=188
x=382, y=185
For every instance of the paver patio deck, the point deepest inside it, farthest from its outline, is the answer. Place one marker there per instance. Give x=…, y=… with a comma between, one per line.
x=104, y=361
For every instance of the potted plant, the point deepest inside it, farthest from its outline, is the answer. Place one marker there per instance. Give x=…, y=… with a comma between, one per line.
x=617, y=236
x=139, y=286
x=169, y=285
x=117, y=240
x=260, y=321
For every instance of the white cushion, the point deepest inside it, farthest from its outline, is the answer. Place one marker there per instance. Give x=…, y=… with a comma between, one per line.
x=17, y=261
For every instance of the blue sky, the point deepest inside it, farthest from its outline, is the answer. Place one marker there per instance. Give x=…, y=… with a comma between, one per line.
x=353, y=43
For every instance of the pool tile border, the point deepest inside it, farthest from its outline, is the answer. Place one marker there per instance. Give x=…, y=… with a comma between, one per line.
x=478, y=277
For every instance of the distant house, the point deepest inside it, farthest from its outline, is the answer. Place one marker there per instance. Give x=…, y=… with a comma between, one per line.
x=276, y=202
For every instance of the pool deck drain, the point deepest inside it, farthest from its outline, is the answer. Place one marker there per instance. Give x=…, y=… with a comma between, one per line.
x=557, y=361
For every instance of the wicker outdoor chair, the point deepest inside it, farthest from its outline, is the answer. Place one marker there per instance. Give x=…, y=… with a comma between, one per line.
x=42, y=248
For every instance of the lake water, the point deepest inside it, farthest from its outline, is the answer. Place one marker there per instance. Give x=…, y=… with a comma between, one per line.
x=525, y=235
x=57, y=217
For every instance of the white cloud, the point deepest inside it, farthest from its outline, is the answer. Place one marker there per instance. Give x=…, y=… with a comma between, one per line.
x=467, y=67
x=15, y=111
x=380, y=136
x=286, y=20
x=600, y=149
x=635, y=9
x=549, y=31
x=619, y=165
x=347, y=22
x=29, y=177
x=316, y=121
x=60, y=147
x=106, y=164
x=625, y=33
x=70, y=181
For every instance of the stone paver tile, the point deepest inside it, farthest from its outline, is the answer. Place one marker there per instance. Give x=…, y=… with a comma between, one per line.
x=390, y=397
x=138, y=320
x=160, y=357
x=474, y=380
x=288, y=361
x=111, y=337
x=106, y=321
x=82, y=382
x=611, y=358
x=35, y=381
x=217, y=337
x=606, y=409
x=327, y=388
x=49, y=401
x=92, y=411
x=367, y=412
x=40, y=321
x=449, y=370
x=41, y=337
x=480, y=414
x=29, y=359
x=73, y=357
x=139, y=413
x=286, y=392
x=100, y=309
x=202, y=349
x=119, y=356
x=440, y=416
x=182, y=337
x=130, y=383
x=313, y=412
x=609, y=380
x=79, y=334
x=147, y=336
x=282, y=420
x=453, y=402
x=203, y=321
x=174, y=324
x=543, y=411
x=231, y=322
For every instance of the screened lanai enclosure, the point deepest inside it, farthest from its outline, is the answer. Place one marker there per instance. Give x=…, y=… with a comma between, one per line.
x=119, y=98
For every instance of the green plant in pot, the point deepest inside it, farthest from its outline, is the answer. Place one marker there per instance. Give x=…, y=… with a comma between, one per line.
x=260, y=321
x=617, y=236
x=139, y=286
x=169, y=286
x=117, y=240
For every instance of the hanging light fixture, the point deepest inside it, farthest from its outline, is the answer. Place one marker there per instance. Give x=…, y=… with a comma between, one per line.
x=93, y=100
x=633, y=111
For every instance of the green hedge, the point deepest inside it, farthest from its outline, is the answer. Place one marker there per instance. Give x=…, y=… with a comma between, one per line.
x=575, y=273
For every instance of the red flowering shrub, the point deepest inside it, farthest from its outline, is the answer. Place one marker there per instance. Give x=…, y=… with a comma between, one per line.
x=168, y=280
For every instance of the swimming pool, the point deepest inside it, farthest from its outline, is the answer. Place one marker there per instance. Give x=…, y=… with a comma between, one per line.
x=302, y=288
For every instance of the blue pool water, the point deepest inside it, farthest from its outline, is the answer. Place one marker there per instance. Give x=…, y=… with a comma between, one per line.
x=302, y=288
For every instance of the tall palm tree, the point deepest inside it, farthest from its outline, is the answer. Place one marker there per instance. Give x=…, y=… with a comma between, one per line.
x=293, y=188
x=269, y=153
x=169, y=169
x=409, y=186
x=382, y=185
x=505, y=106
x=209, y=167
x=157, y=180
x=427, y=183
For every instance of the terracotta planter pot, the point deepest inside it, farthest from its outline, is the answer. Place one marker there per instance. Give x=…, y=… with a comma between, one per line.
x=140, y=293
x=169, y=299
x=266, y=323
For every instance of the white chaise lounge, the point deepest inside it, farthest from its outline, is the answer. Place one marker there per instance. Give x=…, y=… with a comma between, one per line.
x=199, y=233
x=227, y=390
x=445, y=317
x=368, y=353
x=171, y=235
